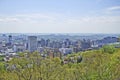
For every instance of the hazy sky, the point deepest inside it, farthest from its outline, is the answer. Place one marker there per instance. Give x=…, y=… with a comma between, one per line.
x=60, y=16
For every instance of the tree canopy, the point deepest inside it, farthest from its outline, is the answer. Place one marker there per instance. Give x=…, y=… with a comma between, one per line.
x=94, y=65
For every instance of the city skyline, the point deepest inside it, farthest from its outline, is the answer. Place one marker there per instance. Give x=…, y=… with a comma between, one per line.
x=44, y=16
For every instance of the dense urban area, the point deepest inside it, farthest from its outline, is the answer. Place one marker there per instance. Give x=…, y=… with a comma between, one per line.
x=59, y=57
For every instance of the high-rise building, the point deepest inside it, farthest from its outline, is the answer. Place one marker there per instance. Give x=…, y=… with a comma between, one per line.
x=10, y=39
x=32, y=43
x=43, y=43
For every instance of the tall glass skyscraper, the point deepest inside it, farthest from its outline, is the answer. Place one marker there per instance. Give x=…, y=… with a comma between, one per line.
x=32, y=43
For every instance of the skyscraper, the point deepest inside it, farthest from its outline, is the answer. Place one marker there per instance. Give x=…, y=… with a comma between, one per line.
x=10, y=39
x=32, y=43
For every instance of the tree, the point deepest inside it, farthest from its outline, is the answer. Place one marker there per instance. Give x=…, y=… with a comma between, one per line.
x=108, y=49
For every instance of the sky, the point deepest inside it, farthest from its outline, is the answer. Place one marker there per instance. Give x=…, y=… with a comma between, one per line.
x=59, y=16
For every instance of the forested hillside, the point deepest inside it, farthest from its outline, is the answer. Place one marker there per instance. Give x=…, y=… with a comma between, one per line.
x=94, y=65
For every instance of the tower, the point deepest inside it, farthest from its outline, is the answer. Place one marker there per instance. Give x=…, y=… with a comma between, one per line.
x=32, y=43
x=10, y=39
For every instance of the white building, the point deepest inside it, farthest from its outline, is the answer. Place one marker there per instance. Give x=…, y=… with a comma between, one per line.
x=19, y=48
x=66, y=50
x=10, y=52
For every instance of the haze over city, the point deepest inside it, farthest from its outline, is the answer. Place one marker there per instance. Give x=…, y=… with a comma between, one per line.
x=59, y=16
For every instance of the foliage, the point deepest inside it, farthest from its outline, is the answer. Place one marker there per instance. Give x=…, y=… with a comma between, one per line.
x=1, y=58
x=94, y=66
x=108, y=49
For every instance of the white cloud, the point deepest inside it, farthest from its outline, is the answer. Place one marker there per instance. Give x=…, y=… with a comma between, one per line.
x=26, y=18
x=93, y=19
x=38, y=18
x=58, y=23
x=8, y=19
x=114, y=8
